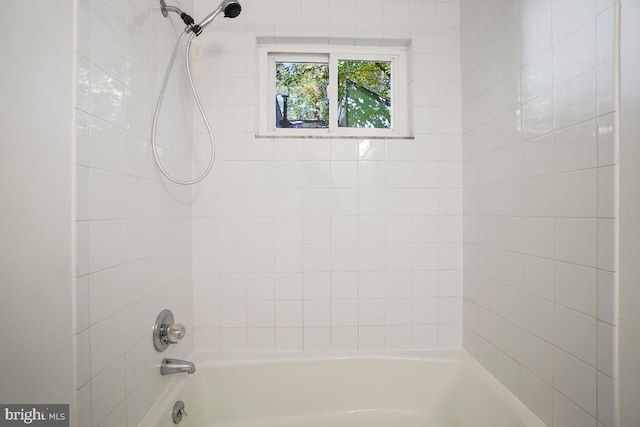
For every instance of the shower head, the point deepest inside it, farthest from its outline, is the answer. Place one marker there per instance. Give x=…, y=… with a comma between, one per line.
x=230, y=8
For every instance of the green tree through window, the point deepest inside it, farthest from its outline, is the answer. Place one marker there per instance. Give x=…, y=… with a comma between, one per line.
x=364, y=94
x=301, y=90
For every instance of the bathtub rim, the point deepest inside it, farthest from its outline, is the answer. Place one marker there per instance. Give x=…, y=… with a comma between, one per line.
x=206, y=359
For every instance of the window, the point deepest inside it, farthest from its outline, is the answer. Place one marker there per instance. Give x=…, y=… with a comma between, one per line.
x=301, y=97
x=364, y=94
x=333, y=90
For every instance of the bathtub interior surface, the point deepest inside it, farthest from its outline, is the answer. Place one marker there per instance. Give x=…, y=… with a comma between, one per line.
x=436, y=389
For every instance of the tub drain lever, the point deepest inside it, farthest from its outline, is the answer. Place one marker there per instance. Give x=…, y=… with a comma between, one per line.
x=178, y=412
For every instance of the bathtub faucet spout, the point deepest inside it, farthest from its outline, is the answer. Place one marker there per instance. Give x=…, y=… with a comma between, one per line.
x=175, y=366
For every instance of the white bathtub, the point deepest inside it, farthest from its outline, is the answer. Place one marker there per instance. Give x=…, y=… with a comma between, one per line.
x=434, y=389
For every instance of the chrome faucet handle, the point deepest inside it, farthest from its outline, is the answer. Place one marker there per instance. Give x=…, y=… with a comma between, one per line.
x=175, y=333
x=166, y=331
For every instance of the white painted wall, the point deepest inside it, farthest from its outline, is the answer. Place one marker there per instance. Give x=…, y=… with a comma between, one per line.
x=629, y=214
x=36, y=351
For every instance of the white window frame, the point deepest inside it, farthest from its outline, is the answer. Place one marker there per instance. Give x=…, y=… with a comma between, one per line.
x=269, y=54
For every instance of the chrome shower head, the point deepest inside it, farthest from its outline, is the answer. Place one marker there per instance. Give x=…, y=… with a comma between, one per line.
x=230, y=8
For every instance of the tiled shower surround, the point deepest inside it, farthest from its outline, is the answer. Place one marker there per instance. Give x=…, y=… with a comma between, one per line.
x=133, y=232
x=330, y=244
x=354, y=244
x=540, y=202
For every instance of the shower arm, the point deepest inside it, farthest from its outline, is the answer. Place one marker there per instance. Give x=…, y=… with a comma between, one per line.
x=188, y=20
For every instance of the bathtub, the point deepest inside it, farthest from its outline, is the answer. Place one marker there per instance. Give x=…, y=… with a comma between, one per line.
x=434, y=389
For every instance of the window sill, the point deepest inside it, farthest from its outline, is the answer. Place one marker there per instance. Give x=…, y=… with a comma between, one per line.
x=307, y=136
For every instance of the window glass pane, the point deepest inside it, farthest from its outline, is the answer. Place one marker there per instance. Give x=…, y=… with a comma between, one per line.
x=364, y=94
x=301, y=95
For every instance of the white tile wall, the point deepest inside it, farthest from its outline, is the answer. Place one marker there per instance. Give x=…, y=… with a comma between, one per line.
x=356, y=244
x=540, y=202
x=347, y=244
x=133, y=240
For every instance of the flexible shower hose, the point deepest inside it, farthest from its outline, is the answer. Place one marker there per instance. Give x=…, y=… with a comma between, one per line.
x=199, y=105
